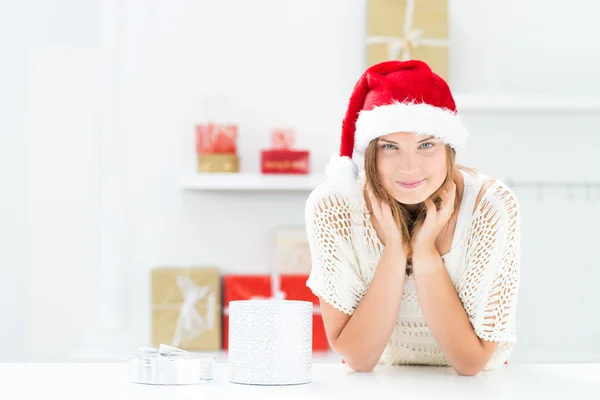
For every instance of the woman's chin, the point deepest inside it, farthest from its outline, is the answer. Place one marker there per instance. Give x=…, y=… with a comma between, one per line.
x=410, y=200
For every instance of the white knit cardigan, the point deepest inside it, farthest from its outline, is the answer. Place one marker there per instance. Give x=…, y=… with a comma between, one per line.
x=483, y=264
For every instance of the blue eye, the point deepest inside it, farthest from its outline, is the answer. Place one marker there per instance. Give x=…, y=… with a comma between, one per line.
x=389, y=146
x=429, y=144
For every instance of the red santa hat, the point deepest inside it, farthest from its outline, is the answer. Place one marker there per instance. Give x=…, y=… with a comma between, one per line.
x=394, y=96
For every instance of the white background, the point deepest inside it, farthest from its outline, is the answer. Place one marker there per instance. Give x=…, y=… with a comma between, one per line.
x=99, y=101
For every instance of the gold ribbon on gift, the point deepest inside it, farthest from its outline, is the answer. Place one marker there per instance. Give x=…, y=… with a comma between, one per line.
x=399, y=48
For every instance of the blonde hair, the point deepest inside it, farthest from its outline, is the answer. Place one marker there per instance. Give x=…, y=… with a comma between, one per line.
x=408, y=222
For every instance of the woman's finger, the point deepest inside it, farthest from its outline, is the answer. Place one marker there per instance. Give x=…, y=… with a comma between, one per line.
x=386, y=210
x=375, y=205
x=452, y=190
x=443, y=194
x=430, y=205
x=447, y=203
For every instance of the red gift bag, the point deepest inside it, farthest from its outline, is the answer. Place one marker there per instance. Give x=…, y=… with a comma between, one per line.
x=288, y=287
x=214, y=138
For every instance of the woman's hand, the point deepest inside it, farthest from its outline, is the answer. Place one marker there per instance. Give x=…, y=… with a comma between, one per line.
x=385, y=219
x=435, y=220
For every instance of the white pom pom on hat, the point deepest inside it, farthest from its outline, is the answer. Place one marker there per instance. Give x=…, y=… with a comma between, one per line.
x=343, y=173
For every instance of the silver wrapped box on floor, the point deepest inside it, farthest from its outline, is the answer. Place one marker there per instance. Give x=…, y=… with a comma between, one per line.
x=270, y=342
x=170, y=366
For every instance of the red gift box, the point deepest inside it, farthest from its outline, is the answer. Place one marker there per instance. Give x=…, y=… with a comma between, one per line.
x=281, y=158
x=288, y=287
x=284, y=161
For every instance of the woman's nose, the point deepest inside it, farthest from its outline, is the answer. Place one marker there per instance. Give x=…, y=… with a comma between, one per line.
x=408, y=165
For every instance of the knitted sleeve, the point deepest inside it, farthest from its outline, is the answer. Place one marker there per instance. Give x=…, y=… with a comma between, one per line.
x=490, y=284
x=334, y=276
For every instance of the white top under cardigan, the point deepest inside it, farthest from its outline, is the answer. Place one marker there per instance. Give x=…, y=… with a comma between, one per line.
x=483, y=264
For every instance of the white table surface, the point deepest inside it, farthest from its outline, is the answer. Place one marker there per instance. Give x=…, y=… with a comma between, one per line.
x=111, y=381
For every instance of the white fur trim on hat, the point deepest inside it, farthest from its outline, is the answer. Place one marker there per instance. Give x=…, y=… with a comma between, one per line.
x=342, y=174
x=418, y=118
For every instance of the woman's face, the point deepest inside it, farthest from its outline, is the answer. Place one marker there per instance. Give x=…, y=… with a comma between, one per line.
x=411, y=167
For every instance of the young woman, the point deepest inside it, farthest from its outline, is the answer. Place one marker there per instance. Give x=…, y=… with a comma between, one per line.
x=415, y=259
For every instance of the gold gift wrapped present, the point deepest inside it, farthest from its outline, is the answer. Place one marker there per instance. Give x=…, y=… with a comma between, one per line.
x=186, y=308
x=216, y=147
x=408, y=29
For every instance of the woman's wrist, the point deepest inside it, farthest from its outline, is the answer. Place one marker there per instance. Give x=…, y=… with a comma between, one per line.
x=395, y=247
x=426, y=260
x=425, y=250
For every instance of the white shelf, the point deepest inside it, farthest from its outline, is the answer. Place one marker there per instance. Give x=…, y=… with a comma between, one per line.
x=250, y=182
x=526, y=102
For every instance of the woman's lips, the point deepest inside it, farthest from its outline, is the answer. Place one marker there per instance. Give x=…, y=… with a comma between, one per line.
x=410, y=184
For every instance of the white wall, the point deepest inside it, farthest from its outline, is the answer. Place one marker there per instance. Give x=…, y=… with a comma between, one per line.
x=32, y=150
x=13, y=230
x=63, y=199
x=295, y=63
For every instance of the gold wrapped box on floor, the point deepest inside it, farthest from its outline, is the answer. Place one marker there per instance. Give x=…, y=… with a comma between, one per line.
x=170, y=366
